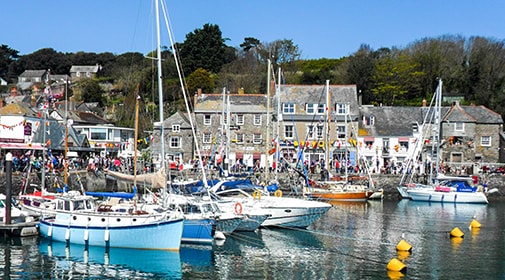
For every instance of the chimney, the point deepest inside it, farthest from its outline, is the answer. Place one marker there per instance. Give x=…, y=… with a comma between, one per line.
x=424, y=102
x=33, y=100
x=241, y=90
x=14, y=91
x=199, y=92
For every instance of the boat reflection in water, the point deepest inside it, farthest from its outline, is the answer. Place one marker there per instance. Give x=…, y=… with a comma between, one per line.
x=92, y=261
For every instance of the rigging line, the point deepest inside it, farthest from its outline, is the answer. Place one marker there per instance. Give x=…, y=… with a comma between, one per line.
x=182, y=83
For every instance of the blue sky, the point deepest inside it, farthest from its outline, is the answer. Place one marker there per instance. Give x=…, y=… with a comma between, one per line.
x=321, y=28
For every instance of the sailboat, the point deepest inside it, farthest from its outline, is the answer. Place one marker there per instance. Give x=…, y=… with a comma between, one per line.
x=440, y=188
x=349, y=189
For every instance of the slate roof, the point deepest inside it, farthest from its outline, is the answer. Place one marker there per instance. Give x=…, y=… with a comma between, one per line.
x=33, y=73
x=17, y=109
x=398, y=121
x=239, y=103
x=84, y=68
x=303, y=94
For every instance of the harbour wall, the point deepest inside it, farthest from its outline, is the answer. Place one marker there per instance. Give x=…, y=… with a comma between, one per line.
x=93, y=182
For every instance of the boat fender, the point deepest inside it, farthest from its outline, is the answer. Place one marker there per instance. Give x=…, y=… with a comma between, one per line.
x=238, y=208
x=278, y=193
x=257, y=194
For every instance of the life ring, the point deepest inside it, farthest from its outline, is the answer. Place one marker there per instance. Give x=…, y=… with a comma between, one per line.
x=321, y=144
x=257, y=194
x=278, y=193
x=238, y=208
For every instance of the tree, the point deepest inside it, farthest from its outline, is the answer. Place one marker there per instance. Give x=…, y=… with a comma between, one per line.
x=7, y=56
x=282, y=53
x=88, y=90
x=200, y=79
x=360, y=70
x=204, y=48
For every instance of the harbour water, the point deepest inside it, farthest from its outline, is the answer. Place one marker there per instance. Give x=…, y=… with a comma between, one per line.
x=352, y=241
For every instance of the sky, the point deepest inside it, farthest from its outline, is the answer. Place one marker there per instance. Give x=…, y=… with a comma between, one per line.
x=320, y=28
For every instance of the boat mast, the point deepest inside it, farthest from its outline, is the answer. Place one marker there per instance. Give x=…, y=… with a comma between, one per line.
x=277, y=152
x=328, y=122
x=267, y=140
x=136, y=136
x=437, y=131
x=160, y=86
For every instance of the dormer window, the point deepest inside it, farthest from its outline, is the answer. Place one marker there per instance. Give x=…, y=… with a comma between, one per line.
x=288, y=108
x=342, y=108
x=415, y=127
x=369, y=120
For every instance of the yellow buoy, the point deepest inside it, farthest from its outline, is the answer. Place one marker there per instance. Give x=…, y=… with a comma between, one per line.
x=475, y=224
x=393, y=275
x=456, y=232
x=403, y=246
x=403, y=255
x=396, y=265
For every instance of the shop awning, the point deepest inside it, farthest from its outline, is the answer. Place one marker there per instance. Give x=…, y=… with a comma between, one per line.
x=239, y=155
x=369, y=139
x=256, y=155
x=403, y=139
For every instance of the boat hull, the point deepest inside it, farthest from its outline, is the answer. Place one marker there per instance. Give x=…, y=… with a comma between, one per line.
x=114, y=231
x=294, y=217
x=342, y=196
x=198, y=231
x=430, y=195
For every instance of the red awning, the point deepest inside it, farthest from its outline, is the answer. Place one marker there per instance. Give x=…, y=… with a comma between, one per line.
x=403, y=139
x=239, y=155
x=20, y=146
x=369, y=139
x=257, y=155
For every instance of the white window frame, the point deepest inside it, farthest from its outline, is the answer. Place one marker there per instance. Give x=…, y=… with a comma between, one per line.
x=175, y=142
x=257, y=119
x=485, y=141
x=341, y=131
x=176, y=128
x=310, y=134
x=207, y=119
x=289, y=133
x=319, y=131
x=207, y=137
x=459, y=126
x=288, y=108
x=224, y=119
x=257, y=138
x=239, y=120
x=341, y=109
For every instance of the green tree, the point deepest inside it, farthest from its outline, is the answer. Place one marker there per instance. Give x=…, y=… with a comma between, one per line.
x=360, y=71
x=88, y=90
x=7, y=56
x=200, y=79
x=204, y=48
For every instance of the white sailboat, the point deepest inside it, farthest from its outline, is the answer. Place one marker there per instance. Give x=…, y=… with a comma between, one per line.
x=444, y=189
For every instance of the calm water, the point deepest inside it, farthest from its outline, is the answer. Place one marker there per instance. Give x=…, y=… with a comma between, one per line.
x=352, y=241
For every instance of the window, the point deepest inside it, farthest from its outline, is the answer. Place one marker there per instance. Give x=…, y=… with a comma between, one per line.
x=257, y=138
x=240, y=120
x=257, y=119
x=368, y=120
x=239, y=138
x=98, y=133
x=319, y=132
x=288, y=131
x=207, y=137
x=224, y=119
x=342, y=109
x=459, y=126
x=175, y=142
x=288, y=108
x=485, y=140
x=310, y=132
x=313, y=109
x=176, y=128
x=207, y=120
x=341, y=131
x=309, y=108
x=404, y=144
x=415, y=127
